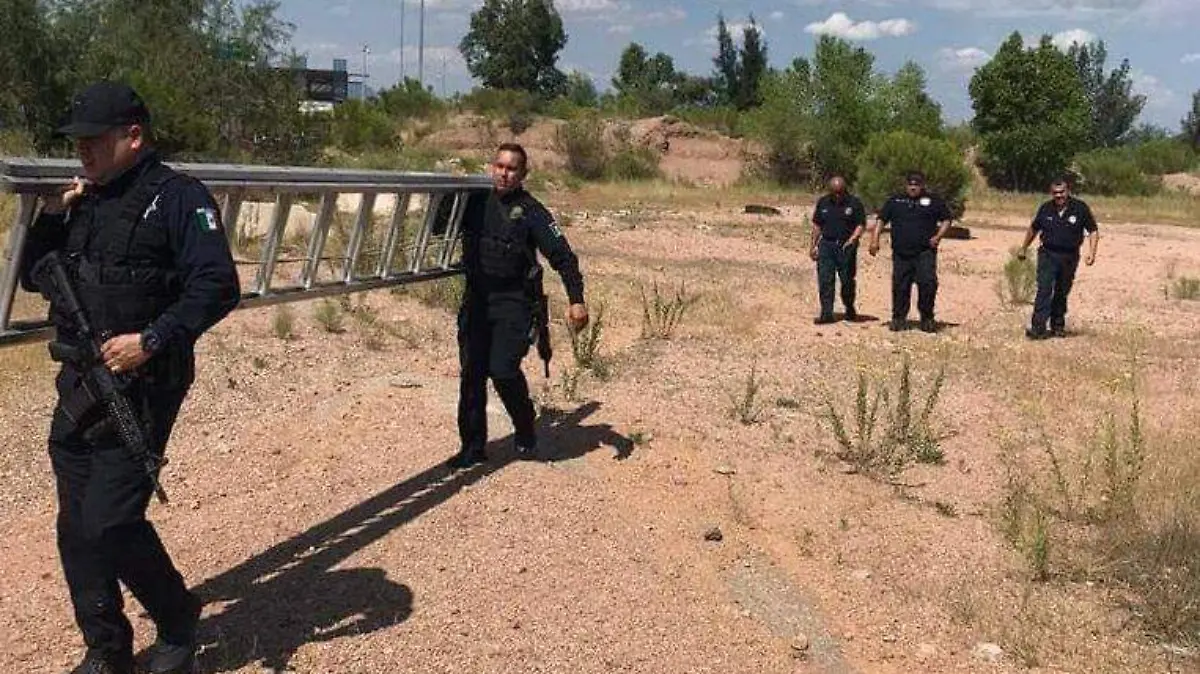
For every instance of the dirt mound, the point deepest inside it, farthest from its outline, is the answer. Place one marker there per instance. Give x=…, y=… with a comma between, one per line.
x=1187, y=182
x=686, y=152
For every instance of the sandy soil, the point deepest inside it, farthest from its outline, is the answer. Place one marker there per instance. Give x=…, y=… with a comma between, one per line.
x=311, y=513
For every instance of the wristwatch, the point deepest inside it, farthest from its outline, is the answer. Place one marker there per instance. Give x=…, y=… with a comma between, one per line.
x=151, y=341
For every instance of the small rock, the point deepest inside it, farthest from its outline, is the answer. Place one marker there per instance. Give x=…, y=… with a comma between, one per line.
x=1117, y=620
x=926, y=652
x=746, y=613
x=861, y=574
x=800, y=645
x=889, y=638
x=988, y=652
x=713, y=534
x=847, y=468
x=724, y=470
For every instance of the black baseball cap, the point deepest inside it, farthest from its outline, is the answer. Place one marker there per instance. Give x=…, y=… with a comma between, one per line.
x=914, y=178
x=103, y=106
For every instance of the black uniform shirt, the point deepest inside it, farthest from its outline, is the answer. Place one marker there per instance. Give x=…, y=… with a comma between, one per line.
x=838, y=218
x=187, y=236
x=914, y=221
x=519, y=217
x=1063, y=233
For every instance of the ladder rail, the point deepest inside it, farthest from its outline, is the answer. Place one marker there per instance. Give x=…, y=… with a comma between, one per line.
x=234, y=186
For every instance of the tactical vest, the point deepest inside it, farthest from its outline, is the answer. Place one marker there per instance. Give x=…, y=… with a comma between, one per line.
x=504, y=243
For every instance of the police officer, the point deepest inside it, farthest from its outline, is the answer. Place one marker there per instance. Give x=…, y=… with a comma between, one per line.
x=1063, y=223
x=838, y=222
x=495, y=322
x=148, y=256
x=919, y=220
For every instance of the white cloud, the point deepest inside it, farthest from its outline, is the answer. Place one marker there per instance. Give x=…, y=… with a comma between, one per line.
x=1190, y=58
x=1066, y=38
x=342, y=10
x=669, y=15
x=840, y=25
x=965, y=59
x=586, y=6
x=776, y=15
x=1158, y=95
x=620, y=29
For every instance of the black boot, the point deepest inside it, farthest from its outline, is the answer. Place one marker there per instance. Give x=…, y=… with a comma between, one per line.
x=174, y=652
x=928, y=325
x=97, y=663
x=466, y=458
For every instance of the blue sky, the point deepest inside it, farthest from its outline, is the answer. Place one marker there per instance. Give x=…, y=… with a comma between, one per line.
x=949, y=38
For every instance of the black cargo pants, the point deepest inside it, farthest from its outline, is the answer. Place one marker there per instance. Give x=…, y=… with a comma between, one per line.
x=494, y=335
x=907, y=268
x=103, y=534
x=1055, y=276
x=836, y=262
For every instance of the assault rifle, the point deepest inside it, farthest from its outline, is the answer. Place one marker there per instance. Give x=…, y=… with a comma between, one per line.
x=541, y=317
x=99, y=386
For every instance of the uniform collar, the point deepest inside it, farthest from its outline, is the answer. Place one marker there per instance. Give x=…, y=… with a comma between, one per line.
x=125, y=178
x=511, y=196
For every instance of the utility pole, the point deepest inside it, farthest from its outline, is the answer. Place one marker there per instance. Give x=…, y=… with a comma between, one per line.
x=366, y=50
x=443, y=74
x=402, y=3
x=421, y=48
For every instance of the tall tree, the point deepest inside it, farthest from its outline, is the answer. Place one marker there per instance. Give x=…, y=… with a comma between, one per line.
x=753, y=65
x=1191, y=123
x=844, y=90
x=1031, y=112
x=728, y=71
x=1114, y=106
x=649, y=82
x=29, y=92
x=514, y=44
x=581, y=90
x=907, y=106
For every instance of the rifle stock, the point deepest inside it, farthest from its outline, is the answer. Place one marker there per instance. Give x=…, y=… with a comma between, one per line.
x=88, y=359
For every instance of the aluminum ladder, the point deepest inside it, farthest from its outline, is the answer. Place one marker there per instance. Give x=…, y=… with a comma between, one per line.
x=331, y=251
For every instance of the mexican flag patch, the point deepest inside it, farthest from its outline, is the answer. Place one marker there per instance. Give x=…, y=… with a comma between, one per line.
x=206, y=218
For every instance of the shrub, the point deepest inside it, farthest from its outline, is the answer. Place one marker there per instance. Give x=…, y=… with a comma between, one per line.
x=1160, y=157
x=1020, y=280
x=888, y=156
x=356, y=126
x=1112, y=173
x=410, y=101
x=500, y=103
x=581, y=140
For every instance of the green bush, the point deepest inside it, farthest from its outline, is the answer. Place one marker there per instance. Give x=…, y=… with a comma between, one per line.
x=780, y=125
x=724, y=119
x=1163, y=156
x=888, y=156
x=500, y=103
x=581, y=140
x=357, y=126
x=410, y=101
x=1112, y=172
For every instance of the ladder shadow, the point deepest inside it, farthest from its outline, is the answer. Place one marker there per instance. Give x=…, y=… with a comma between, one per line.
x=290, y=595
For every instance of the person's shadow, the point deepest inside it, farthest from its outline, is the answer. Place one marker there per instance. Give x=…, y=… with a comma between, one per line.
x=290, y=594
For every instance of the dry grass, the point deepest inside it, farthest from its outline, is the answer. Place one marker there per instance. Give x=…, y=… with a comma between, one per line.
x=1118, y=506
x=1171, y=207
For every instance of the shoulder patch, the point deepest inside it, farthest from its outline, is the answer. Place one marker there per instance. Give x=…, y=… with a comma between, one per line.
x=206, y=219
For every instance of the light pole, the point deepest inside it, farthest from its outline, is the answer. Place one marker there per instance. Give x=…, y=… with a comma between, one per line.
x=366, y=50
x=421, y=48
x=402, y=3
